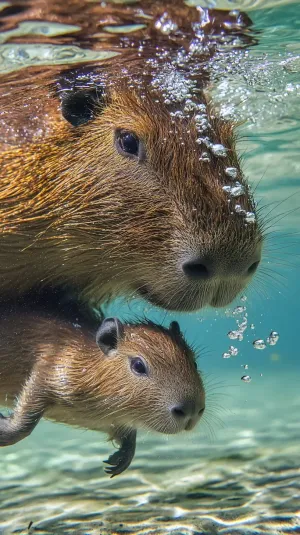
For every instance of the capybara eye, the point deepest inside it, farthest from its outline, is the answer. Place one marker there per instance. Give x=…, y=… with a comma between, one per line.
x=127, y=143
x=138, y=366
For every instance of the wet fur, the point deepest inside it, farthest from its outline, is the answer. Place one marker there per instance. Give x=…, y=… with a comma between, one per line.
x=101, y=232
x=74, y=213
x=55, y=370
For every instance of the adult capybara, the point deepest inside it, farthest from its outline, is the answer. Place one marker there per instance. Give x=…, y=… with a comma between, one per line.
x=119, y=177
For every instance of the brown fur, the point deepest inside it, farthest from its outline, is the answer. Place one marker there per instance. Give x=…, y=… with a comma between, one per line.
x=74, y=212
x=57, y=371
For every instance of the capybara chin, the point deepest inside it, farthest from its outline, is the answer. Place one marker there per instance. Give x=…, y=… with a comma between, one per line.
x=137, y=189
x=135, y=376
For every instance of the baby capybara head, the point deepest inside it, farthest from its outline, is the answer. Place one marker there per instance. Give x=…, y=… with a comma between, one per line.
x=167, y=213
x=149, y=377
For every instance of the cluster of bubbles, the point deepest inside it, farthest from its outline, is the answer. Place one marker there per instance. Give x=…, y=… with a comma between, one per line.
x=175, y=80
x=250, y=217
x=271, y=340
x=174, y=77
x=232, y=352
x=240, y=76
x=174, y=86
x=236, y=189
x=238, y=334
x=165, y=24
x=242, y=324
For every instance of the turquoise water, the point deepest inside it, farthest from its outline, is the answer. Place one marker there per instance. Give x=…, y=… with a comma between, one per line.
x=238, y=473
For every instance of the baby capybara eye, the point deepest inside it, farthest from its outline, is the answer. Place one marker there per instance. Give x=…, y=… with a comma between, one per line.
x=138, y=366
x=127, y=143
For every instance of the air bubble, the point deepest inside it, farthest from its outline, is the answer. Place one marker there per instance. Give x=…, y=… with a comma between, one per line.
x=239, y=310
x=235, y=335
x=252, y=326
x=239, y=210
x=245, y=366
x=227, y=189
x=250, y=217
x=199, y=117
x=218, y=150
x=165, y=24
x=259, y=344
x=226, y=355
x=231, y=172
x=242, y=325
x=235, y=191
x=190, y=105
x=233, y=351
x=273, y=338
x=204, y=157
x=246, y=378
x=179, y=114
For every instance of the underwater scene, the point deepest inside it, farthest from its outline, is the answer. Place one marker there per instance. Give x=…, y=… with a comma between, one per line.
x=237, y=471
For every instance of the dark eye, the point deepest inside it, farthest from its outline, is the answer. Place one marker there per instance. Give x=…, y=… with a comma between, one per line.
x=138, y=366
x=127, y=143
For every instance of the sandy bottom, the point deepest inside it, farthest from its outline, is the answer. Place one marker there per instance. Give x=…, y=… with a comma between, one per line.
x=245, y=480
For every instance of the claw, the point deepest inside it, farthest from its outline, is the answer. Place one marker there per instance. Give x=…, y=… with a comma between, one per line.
x=120, y=460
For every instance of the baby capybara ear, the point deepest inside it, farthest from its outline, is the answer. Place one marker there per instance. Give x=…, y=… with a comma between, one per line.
x=109, y=334
x=175, y=328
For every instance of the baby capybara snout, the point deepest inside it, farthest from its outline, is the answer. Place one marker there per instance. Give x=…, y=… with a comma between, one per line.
x=161, y=386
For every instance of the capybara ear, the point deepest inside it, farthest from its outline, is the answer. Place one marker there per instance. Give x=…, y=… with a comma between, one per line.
x=175, y=328
x=82, y=94
x=78, y=107
x=110, y=332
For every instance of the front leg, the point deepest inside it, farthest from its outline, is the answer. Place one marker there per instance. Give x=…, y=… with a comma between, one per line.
x=28, y=411
x=121, y=459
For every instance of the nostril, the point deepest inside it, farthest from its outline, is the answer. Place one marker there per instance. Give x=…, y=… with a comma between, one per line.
x=253, y=268
x=196, y=269
x=178, y=412
x=184, y=409
x=201, y=411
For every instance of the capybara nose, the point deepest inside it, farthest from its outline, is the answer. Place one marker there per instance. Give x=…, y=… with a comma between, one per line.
x=185, y=409
x=203, y=268
x=253, y=267
x=197, y=269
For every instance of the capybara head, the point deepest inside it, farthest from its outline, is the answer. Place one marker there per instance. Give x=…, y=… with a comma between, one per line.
x=131, y=196
x=149, y=377
x=168, y=214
